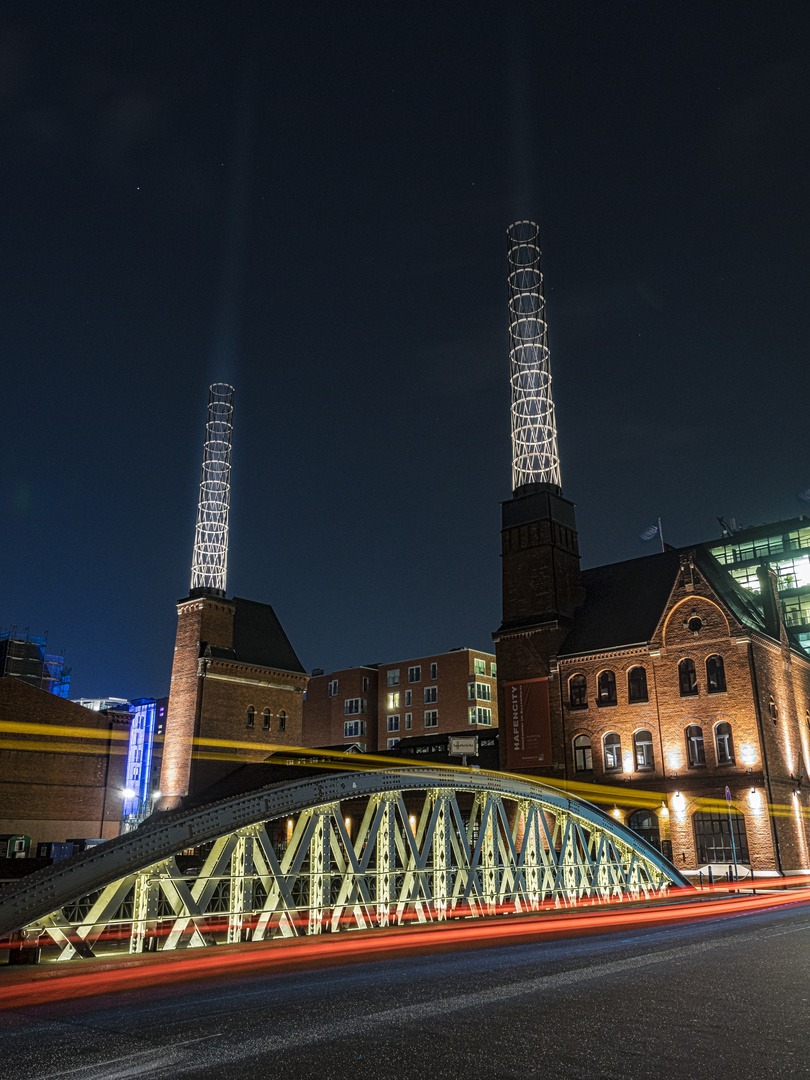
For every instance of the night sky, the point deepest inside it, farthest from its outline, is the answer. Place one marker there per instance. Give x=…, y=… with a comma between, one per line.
x=311, y=201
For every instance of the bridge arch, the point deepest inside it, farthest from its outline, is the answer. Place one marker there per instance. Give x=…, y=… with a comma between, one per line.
x=360, y=849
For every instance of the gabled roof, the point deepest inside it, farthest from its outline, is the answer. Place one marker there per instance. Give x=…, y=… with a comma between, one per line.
x=258, y=638
x=623, y=603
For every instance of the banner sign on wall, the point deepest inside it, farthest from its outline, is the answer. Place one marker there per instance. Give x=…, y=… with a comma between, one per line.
x=527, y=724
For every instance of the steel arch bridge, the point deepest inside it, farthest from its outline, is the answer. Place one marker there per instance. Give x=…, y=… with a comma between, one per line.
x=428, y=845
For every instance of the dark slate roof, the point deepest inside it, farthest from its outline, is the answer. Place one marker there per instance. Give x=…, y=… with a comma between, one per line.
x=623, y=603
x=258, y=638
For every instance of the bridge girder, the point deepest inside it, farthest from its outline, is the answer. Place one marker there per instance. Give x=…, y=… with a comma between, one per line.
x=431, y=845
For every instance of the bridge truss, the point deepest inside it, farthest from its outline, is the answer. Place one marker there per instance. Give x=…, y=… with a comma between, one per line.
x=345, y=851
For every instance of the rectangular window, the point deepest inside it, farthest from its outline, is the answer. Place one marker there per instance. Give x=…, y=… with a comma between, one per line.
x=480, y=715
x=434, y=671
x=393, y=723
x=392, y=743
x=354, y=705
x=493, y=669
x=393, y=700
x=479, y=691
x=408, y=698
x=713, y=838
x=393, y=677
x=408, y=721
x=415, y=673
x=431, y=694
x=365, y=684
x=479, y=666
x=352, y=728
x=331, y=688
x=431, y=718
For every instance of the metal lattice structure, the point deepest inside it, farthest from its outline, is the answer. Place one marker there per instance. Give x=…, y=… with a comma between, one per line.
x=342, y=851
x=209, y=566
x=535, y=458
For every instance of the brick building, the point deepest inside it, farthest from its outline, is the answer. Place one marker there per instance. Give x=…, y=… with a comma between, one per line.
x=62, y=767
x=379, y=704
x=237, y=682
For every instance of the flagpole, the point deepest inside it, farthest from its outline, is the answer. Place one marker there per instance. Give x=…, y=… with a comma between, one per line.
x=661, y=534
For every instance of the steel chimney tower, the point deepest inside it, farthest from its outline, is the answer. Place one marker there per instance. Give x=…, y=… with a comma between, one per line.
x=535, y=458
x=209, y=567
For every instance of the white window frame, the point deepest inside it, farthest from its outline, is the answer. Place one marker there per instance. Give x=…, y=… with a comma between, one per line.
x=332, y=688
x=393, y=699
x=408, y=721
x=434, y=671
x=392, y=743
x=479, y=666
x=415, y=673
x=353, y=728
x=480, y=714
x=354, y=706
x=392, y=722
x=392, y=677
x=431, y=695
x=431, y=718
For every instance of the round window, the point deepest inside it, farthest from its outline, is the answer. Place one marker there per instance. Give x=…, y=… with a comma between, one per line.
x=694, y=624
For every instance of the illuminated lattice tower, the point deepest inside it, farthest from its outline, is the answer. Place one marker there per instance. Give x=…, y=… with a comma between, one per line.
x=209, y=567
x=535, y=458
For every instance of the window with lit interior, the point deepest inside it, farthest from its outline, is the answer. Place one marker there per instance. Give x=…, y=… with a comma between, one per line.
x=724, y=743
x=612, y=745
x=695, y=748
x=643, y=746
x=637, y=684
x=713, y=837
x=687, y=677
x=583, y=757
x=715, y=675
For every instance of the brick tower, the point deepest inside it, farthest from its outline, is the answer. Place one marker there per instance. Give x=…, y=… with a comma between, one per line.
x=540, y=555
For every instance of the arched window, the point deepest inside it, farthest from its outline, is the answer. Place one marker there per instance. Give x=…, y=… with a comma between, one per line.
x=724, y=743
x=282, y=721
x=643, y=745
x=578, y=692
x=606, y=688
x=637, y=684
x=266, y=720
x=695, y=750
x=613, y=751
x=645, y=823
x=583, y=759
x=715, y=675
x=251, y=716
x=773, y=712
x=687, y=677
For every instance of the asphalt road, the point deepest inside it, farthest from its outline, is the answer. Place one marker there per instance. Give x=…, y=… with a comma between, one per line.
x=726, y=999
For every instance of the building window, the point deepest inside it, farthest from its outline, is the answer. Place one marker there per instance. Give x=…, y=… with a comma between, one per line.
x=431, y=718
x=479, y=667
x=583, y=758
x=713, y=837
x=613, y=751
x=643, y=745
x=773, y=712
x=365, y=684
x=715, y=675
x=351, y=728
x=578, y=692
x=687, y=677
x=724, y=743
x=392, y=743
x=266, y=720
x=479, y=714
x=332, y=688
x=408, y=698
x=393, y=723
x=415, y=673
x=478, y=691
x=393, y=700
x=606, y=688
x=637, y=684
x=645, y=824
x=493, y=670
x=408, y=721
x=251, y=716
x=695, y=750
x=282, y=721
x=393, y=677
x=431, y=694
x=434, y=671
x=354, y=705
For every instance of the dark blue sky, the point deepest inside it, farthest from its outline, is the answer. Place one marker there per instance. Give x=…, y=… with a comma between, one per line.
x=312, y=203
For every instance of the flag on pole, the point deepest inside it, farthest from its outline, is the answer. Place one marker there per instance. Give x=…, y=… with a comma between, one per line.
x=649, y=533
